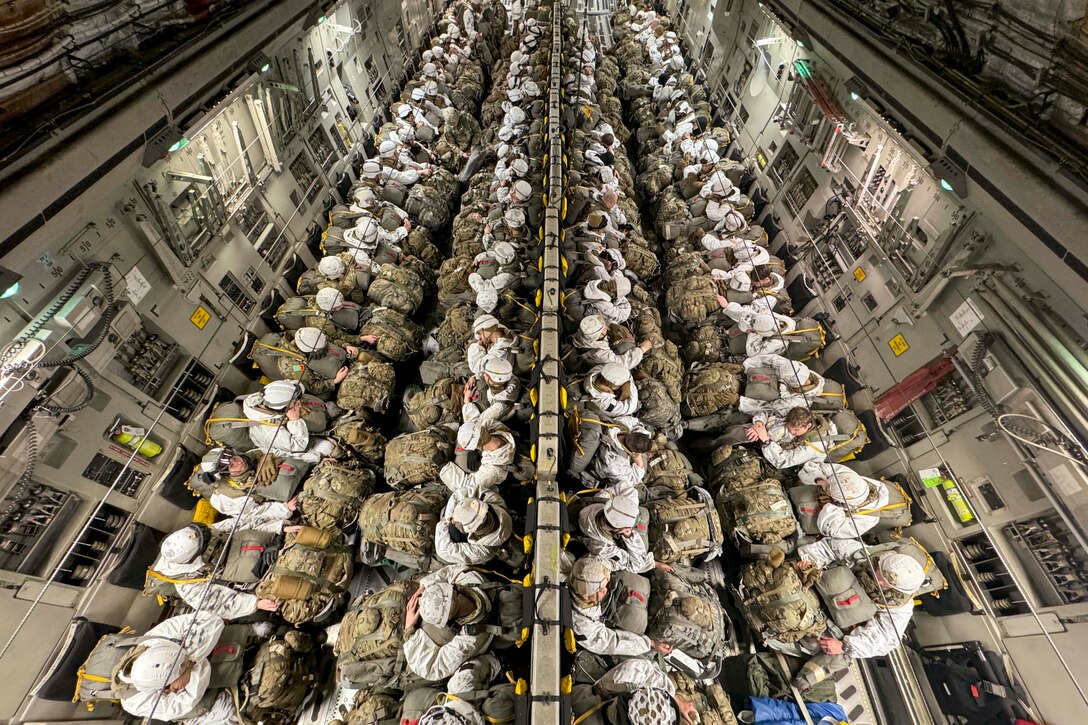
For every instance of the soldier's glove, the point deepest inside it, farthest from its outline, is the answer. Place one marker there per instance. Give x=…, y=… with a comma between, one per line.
x=267, y=470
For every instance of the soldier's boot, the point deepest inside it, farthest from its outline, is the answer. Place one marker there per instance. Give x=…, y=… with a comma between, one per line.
x=818, y=669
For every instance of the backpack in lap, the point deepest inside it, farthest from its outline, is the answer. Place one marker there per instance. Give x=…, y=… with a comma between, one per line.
x=361, y=438
x=686, y=613
x=757, y=513
x=669, y=469
x=368, y=385
x=625, y=605
x=228, y=426
x=332, y=494
x=398, y=288
x=398, y=337
x=761, y=384
x=684, y=527
x=368, y=645
x=436, y=404
x=283, y=672
x=831, y=399
x=710, y=699
x=734, y=466
x=711, y=388
x=777, y=603
x=455, y=330
x=415, y=458
x=311, y=575
x=402, y=523
x=657, y=409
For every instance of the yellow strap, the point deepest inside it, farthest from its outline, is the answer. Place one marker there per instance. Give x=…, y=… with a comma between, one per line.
x=258, y=343
x=578, y=720
x=156, y=575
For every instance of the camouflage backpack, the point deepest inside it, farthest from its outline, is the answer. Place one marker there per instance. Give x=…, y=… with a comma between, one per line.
x=732, y=467
x=415, y=458
x=640, y=260
x=368, y=645
x=453, y=280
x=283, y=673
x=377, y=706
x=711, y=388
x=401, y=524
x=361, y=438
x=368, y=385
x=758, y=513
x=669, y=469
x=662, y=363
x=332, y=494
x=398, y=337
x=690, y=301
x=710, y=699
x=398, y=288
x=705, y=346
x=455, y=331
x=311, y=575
x=436, y=404
x=776, y=602
x=684, y=527
x=657, y=410
x=686, y=613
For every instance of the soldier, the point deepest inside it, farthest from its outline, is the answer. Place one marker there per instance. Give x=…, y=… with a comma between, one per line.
x=494, y=395
x=765, y=329
x=611, y=390
x=897, y=578
x=234, y=481
x=323, y=367
x=850, y=494
x=589, y=579
x=495, y=445
x=347, y=318
x=797, y=384
x=169, y=674
x=187, y=561
x=620, y=460
x=605, y=298
x=339, y=272
x=591, y=343
x=610, y=531
x=440, y=616
x=792, y=440
x=493, y=340
x=282, y=432
x=473, y=530
x=634, y=692
x=495, y=270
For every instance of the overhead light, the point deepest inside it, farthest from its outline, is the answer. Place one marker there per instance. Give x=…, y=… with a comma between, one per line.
x=951, y=177
x=9, y=282
x=854, y=96
x=167, y=141
x=322, y=20
x=314, y=17
x=801, y=43
x=858, y=90
x=259, y=63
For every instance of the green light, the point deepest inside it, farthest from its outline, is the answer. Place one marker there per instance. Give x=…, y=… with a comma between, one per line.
x=945, y=185
x=178, y=145
x=321, y=20
x=265, y=67
x=854, y=96
x=801, y=43
x=10, y=291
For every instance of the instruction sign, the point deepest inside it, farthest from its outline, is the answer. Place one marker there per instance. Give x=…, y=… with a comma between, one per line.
x=859, y=274
x=898, y=344
x=136, y=285
x=200, y=317
x=931, y=477
x=966, y=317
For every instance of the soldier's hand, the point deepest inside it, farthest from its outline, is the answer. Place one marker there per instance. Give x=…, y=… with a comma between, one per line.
x=687, y=710
x=663, y=566
x=660, y=647
x=722, y=301
x=369, y=339
x=831, y=646
x=407, y=223
x=294, y=410
x=646, y=345
x=340, y=375
x=292, y=505
x=267, y=605
x=351, y=350
x=292, y=529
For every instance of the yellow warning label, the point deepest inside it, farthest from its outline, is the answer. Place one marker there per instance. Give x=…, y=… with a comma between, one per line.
x=204, y=513
x=200, y=317
x=859, y=274
x=898, y=344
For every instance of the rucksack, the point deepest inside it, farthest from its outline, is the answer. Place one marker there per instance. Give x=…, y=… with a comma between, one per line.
x=368, y=386
x=685, y=612
x=734, y=466
x=684, y=527
x=284, y=670
x=398, y=288
x=368, y=644
x=360, y=437
x=711, y=388
x=455, y=330
x=415, y=458
x=705, y=345
x=228, y=426
x=437, y=404
x=332, y=494
x=289, y=474
x=692, y=301
x=709, y=698
x=761, y=384
x=662, y=364
x=243, y=565
x=895, y=515
x=311, y=575
x=758, y=513
x=850, y=438
x=640, y=260
x=401, y=524
x=657, y=409
x=806, y=340
x=398, y=337
x=626, y=605
x=669, y=469
x=777, y=604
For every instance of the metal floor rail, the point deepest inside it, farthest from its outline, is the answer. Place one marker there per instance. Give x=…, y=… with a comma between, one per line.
x=546, y=686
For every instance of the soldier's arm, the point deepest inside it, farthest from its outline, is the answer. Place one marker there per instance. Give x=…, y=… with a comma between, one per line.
x=218, y=600
x=595, y=636
x=880, y=635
